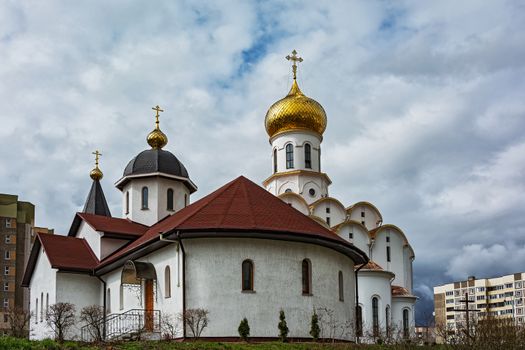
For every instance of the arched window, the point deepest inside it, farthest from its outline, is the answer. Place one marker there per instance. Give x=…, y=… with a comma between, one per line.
x=375, y=316
x=144, y=197
x=289, y=156
x=308, y=156
x=47, y=305
x=108, y=301
x=121, y=301
x=170, y=199
x=307, y=277
x=41, y=307
x=387, y=320
x=247, y=275
x=167, y=282
x=127, y=202
x=275, y=160
x=359, y=320
x=406, y=331
x=341, y=287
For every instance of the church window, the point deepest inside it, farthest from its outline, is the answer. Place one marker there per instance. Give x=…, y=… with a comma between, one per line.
x=375, y=316
x=185, y=200
x=275, y=160
x=351, y=235
x=306, y=268
x=121, y=301
x=387, y=239
x=405, y=323
x=328, y=220
x=387, y=320
x=167, y=282
x=47, y=306
x=170, y=199
x=319, y=156
x=288, y=190
x=144, y=198
x=363, y=223
x=311, y=191
x=247, y=275
x=359, y=320
x=108, y=301
x=362, y=214
x=36, y=309
x=289, y=156
x=388, y=254
x=308, y=156
x=341, y=287
x=41, y=307
x=127, y=202
x=328, y=210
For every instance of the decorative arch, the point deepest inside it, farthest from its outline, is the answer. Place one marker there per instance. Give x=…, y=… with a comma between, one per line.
x=304, y=206
x=288, y=184
x=374, y=233
x=364, y=203
x=134, y=272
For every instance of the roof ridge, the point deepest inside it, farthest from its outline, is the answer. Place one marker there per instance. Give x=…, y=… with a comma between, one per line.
x=230, y=203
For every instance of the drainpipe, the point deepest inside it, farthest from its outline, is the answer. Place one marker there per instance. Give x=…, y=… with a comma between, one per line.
x=104, y=306
x=357, y=333
x=183, y=285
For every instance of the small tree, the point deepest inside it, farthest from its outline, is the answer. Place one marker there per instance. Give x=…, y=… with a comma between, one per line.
x=283, y=328
x=93, y=317
x=196, y=320
x=314, y=327
x=244, y=329
x=61, y=317
x=170, y=326
x=18, y=319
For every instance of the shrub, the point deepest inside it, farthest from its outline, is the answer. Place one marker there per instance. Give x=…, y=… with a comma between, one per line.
x=196, y=320
x=314, y=326
x=61, y=318
x=283, y=328
x=244, y=329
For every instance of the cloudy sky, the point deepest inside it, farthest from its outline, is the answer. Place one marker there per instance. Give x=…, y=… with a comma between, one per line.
x=425, y=104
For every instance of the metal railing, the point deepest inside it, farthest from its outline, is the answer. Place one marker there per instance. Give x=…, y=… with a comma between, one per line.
x=130, y=323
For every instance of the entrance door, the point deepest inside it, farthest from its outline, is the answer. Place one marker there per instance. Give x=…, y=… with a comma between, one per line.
x=148, y=313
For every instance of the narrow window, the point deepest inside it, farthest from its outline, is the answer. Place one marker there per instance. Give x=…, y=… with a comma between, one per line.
x=167, y=282
x=388, y=254
x=405, y=324
x=289, y=156
x=144, y=198
x=41, y=307
x=351, y=235
x=328, y=221
x=375, y=316
x=108, y=301
x=36, y=310
x=341, y=287
x=247, y=275
x=319, y=156
x=362, y=214
x=328, y=210
x=387, y=321
x=275, y=160
x=185, y=200
x=121, y=301
x=308, y=156
x=387, y=239
x=47, y=305
x=127, y=202
x=170, y=199
x=359, y=320
x=306, y=268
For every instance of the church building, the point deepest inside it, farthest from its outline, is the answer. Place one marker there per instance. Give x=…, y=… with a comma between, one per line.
x=240, y=251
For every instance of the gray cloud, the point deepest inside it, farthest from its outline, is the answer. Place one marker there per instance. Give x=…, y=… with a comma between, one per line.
x=424, y=100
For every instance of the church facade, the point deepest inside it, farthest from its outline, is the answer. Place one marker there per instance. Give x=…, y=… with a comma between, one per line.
x=241, y=251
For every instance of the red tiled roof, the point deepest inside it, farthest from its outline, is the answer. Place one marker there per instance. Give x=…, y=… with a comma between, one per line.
x=68, y=253
x=113, y=225
x=240, y=205
x=370, y=265
x=400, y=291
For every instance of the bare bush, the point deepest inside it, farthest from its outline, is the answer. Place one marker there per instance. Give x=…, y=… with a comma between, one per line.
x=169, y=326
x=196, y=320
x=93, y=317
x=18, y=319
x=61, y=318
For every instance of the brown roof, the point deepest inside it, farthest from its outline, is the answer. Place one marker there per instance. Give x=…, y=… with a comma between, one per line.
x=240, y=206
x=400, y=291
x=370, y=265
x=113, y=225
x=68, y=253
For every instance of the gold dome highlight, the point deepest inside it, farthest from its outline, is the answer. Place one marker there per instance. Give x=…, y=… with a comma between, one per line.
x=295, y=111
x=96, y=174
x=156, y=138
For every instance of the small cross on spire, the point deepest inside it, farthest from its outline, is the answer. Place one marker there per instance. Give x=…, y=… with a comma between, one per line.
x=157, y=108
x=97, y=156
x=294, y=58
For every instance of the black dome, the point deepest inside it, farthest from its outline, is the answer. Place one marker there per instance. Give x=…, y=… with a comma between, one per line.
x=155, y=161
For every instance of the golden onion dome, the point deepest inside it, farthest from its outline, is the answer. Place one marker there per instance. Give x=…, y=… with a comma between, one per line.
x=295, y=112
x=96, y=174
x=157, y=139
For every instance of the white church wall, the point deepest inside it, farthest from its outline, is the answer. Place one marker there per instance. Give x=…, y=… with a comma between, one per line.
x=110, y=245
x=407, y=260
x=91, y=236
x=80, y=290
x=331, y=210
x=374, y=284
x=359, y=236
x=370, y=219
x=298, y=139
x=398, y=305
x=396, y=263
x=42, y=287
x=296, y=202
x=213, y=272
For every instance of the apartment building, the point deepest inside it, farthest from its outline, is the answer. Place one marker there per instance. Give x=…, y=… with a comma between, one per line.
x=498, y=297
x=16, y=232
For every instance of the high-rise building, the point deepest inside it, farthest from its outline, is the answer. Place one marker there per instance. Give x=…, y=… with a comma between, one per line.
x=16, y=233
x=495, y=297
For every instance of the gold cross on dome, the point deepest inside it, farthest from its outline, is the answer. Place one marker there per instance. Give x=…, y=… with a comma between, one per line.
x=97, y=156
x=294, y=58
x=157, y=108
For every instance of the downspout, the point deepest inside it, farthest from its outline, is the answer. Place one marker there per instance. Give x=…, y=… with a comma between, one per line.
x=104, y=306
x=357, y=332
x=183, y=285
